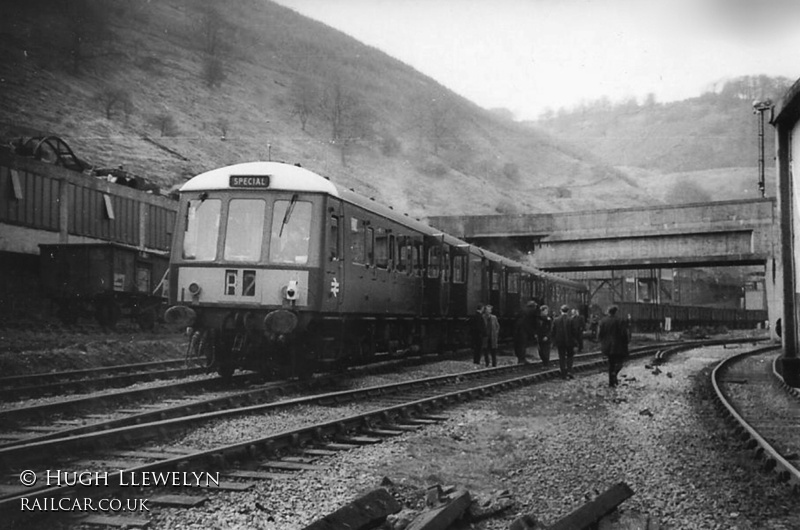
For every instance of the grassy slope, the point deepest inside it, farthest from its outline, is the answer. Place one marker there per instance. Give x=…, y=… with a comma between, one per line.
x=154, y=55
x=705, y=148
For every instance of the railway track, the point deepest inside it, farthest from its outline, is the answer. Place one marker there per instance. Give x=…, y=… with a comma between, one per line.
x=391, y=409
x=19, y=387
x=762, y=410
x=87, y=409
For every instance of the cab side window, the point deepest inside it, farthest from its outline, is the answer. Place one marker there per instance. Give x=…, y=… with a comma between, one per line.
x=334, y=248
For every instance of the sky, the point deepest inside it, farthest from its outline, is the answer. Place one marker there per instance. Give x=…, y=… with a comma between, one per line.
x=531, y=55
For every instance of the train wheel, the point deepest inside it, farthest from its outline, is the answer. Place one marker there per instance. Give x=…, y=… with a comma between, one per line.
x=107, y=313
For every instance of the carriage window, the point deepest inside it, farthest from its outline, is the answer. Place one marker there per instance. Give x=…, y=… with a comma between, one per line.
x=357, y=250
x=402, y=254
x=459, y=269
x=381, y=248
x=392, y=252
x=513, y=282
x=495, y=280
x=202, y=229
x=333, y=239
x=433, y=262
x=291, y=231
x=416, y=259
x=245, y=229
x=446, y=266
x=370, y=246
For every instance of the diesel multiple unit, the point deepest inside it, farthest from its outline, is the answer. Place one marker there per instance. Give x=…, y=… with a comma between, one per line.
x=277, y=269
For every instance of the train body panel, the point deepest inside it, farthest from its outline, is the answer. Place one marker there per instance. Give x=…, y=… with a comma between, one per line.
x=280, y=269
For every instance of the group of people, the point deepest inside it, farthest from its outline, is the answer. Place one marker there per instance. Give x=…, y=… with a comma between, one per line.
x=565, y=332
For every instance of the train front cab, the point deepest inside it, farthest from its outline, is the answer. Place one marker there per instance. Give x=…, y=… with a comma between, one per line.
x=246, y=269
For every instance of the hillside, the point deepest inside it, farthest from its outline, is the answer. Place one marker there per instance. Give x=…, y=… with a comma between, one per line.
x=172, y=88
x=700, y=149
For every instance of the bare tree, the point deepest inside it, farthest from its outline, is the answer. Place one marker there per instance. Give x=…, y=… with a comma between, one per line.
x=349, y=119
x=213, y=71
x=210, y=30
x=112, y=98
x=436, y=119
x=304, y=96
x=165, y=124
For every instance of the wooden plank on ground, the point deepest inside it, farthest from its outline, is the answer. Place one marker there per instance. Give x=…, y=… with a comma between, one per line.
x=299, y=459
x=333, y=446
x=319, y=452
x=358, y=440
x=433, y=417
x=442, y=517
x=419, y=421
x=402, y=427
x=590, y=513
x=365, y=512
x=383, y=432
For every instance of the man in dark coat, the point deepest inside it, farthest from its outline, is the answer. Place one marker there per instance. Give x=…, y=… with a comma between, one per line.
x=478, y=334
x=524, y=328
x=564, y=340
x=578, y=325
x=543, y=331
x=613, y=336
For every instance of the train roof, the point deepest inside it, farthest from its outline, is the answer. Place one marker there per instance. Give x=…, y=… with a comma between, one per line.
x=281, y=177
x=287, y=177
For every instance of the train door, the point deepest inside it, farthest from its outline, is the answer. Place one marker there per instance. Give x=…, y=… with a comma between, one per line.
x=496, y=287
x=458, y=282
x=435, y=293
x=333, y=263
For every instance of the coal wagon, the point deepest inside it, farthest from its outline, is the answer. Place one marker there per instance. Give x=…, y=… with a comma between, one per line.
x=108, y=281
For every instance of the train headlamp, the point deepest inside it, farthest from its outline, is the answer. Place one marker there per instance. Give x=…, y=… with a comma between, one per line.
x=194, y=289
x=291, y=290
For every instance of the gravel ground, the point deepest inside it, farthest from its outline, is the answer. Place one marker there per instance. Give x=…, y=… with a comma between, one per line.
x=550, y=447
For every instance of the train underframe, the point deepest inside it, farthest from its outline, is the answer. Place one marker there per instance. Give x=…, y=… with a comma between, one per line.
x=232, y=340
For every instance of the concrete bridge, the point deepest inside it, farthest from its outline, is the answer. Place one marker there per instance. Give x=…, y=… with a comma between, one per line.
x=738, y=232
x=591, y=245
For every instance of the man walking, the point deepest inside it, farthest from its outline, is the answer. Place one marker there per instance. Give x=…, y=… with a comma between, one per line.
x=478, y=333
x=613, y=336
x=493, y=335
x=564, y=340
